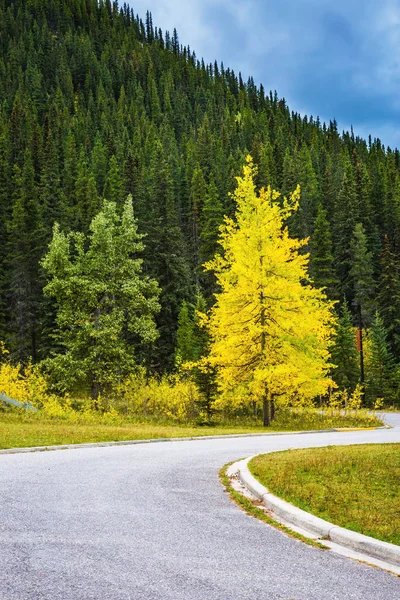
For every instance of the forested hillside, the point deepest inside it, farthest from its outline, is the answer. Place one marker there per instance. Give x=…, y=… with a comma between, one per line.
x=95, y=103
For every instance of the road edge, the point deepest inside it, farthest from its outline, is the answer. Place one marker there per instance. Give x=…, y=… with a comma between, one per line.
x=358, y=542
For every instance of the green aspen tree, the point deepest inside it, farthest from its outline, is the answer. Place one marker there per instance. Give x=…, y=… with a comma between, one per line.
x=102, y=297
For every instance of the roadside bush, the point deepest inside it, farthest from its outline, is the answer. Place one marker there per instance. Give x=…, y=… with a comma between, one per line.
x=171, y=397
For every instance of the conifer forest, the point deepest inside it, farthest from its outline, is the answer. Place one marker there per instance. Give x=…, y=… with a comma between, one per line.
x=126, y=140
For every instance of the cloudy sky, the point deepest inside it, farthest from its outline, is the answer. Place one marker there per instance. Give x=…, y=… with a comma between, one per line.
x=336, y=59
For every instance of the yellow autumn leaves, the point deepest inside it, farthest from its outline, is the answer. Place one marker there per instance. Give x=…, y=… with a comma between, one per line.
x=270, y=328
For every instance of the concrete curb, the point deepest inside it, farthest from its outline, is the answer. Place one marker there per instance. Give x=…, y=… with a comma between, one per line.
x=316, y=526
x=176, y=439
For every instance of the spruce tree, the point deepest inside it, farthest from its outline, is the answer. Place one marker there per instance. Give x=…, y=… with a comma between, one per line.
x=307, y=179
x=166, y=256
x=361, y=274
x=381, y=369
x=86, y=198
x=321, y=264
x=113, y=184
x=344, y=220
x=186, y=341
x=99, y=164
x=388, y=298
x=197, y=198
x=212, y=216
x=344, y=353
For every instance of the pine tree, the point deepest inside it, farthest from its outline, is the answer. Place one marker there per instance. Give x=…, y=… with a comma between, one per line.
x=186, y=341
x=166, y=256
x=197, y=199
x=309, y=199
x=113, y=185
x=345, y=218
x=388, y=299
x=361, y=273
x=86, y=198
x=344, y=353
x=381, y=369
x=99, y=164
x=321, y=265
x=24, y=249
x=5, y=194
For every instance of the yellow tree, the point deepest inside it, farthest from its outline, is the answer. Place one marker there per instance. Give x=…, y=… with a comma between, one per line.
x=270, y=328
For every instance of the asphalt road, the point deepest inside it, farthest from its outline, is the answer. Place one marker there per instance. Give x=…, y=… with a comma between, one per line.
x=152, y=522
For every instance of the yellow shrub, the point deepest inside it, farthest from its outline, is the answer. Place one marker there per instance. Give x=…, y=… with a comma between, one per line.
x=343, y=400
x=28, y=385
x=13, y=383
x=169, y=397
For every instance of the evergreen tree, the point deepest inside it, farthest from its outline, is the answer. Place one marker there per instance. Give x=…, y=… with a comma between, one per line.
x=380, y=367
x=197, y=198
x=166, y=254
x=321, y=265
x=345, y=219
x=388, y=298
x=307, y=179
x=361, y=273
x=113, y=185
x=86, y=198
x=186, y=340
x=23, y=254
x=99, y=165
x=344, y=353
x=212, y=216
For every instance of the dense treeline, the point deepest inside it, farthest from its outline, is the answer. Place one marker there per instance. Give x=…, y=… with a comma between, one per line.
x=95, y=103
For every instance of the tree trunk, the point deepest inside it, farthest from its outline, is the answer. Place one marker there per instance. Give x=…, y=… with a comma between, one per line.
x=95, y=391
x=266, y=411
x=266, y=397
x=272, y=407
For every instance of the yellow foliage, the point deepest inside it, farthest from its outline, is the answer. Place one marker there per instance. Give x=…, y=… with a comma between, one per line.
x=25, y=386
x=270, y=328
x=29, y=385
x=170, y=397
x=343, y=400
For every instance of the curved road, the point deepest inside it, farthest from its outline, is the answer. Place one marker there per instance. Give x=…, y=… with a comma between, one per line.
x=152, y=522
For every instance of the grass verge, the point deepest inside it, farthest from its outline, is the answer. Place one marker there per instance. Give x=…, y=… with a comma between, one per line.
x=252, y=508
x=32, y=432
x=356, y=487
x=20, y=429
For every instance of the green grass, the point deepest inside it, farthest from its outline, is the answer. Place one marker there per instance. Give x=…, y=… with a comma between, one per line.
x=33, y=432
x=18, y=429
x=357, y=487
